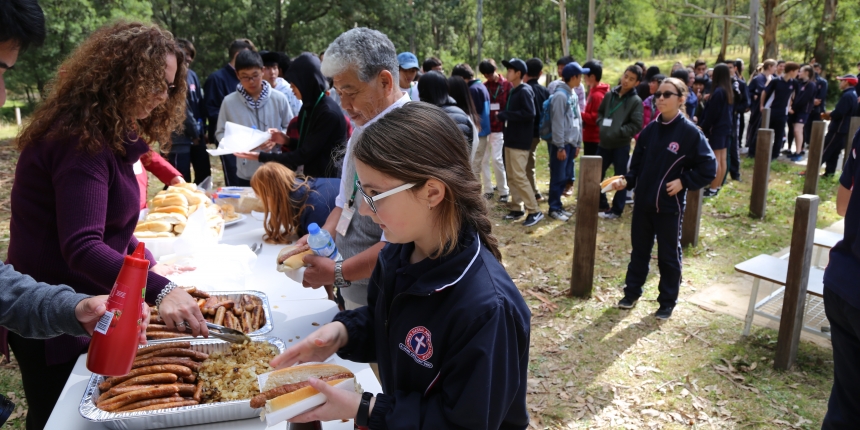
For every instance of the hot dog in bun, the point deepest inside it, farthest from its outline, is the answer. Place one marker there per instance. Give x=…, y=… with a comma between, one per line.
x=606, y=185
x=287, y=393
x=291, y=257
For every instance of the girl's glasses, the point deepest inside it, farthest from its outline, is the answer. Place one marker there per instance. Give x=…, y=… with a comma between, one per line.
x=370, y=200
x=666, y=95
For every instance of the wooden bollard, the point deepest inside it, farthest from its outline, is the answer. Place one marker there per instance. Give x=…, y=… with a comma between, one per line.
x=813, y=162
x=761, y=173
x=765, y=120
x=799, y=262
x=585, y=236
x=852, y=130
x=692, y=219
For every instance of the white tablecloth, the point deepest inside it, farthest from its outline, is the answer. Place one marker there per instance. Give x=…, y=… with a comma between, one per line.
x=294, y=310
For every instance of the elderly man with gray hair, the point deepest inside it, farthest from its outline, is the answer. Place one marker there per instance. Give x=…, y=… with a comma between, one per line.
x=363, y=64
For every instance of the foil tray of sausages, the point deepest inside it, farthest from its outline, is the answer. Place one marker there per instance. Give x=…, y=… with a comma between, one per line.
x=203, y=413
x=259, y=298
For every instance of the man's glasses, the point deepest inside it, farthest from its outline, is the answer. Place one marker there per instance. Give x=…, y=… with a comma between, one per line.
x=250, y=78
x=370, y=200
x=665, y=95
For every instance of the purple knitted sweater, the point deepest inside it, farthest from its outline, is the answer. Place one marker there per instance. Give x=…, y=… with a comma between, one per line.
x=73, y=215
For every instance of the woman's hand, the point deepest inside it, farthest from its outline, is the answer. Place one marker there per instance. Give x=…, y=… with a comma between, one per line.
x=319, y=346
x=248, y=155
x=339, y=404
x=170, y=269
x=177, y=180
x=178, y=308
x=674, y=187
x=277, y=136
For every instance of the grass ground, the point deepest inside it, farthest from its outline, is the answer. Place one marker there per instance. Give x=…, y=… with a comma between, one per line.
x=593, y=366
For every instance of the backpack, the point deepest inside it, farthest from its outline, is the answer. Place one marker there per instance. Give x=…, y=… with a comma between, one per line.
x=545, y=127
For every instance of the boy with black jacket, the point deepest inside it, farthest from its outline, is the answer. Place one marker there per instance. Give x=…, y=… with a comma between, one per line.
x=840, y=118
x=739, y=106
x=535, y=69
x=619, y=118
x=519, y=117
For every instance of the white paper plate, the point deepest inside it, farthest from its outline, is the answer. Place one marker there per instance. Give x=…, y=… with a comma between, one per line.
x=235, y=221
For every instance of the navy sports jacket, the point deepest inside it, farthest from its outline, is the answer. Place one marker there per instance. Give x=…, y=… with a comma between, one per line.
x=664, y=152
x=804, y=97
x=452, y=347
x=840, y=116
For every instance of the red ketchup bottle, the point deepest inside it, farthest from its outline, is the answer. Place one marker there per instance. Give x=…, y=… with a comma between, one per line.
x=115, y=338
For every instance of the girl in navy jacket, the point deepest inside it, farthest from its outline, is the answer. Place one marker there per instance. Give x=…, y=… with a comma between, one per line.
x=444, y=321
x=671, y=157
x=716, y=123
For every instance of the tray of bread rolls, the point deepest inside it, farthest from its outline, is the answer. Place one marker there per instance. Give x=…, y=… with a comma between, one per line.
x=182, y=383
x=169, y=210
x=247, y=311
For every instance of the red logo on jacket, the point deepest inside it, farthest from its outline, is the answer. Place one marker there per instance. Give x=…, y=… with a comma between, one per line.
x=674, y=147
x=418, y=346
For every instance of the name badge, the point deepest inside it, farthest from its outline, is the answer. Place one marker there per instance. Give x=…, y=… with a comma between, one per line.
x=345, y=219
x=137, y=167
x=607, y=122
x=494, y=106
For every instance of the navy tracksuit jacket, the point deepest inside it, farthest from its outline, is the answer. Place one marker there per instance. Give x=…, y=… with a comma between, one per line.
x=664, y=152
x=451, y=337
x=837, y=131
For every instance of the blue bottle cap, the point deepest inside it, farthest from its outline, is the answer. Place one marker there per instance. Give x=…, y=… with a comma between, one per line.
x=314, y=228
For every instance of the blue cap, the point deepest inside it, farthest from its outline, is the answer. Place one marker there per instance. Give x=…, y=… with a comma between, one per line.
x=516, y=64
x=573, y=69
x=407, y=60
x=314, y=228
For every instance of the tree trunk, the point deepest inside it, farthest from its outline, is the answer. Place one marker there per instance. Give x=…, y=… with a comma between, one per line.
x=771, y=21
x=754, y=6
x=822, y=53
x=725, y=42
x=562, y=9
x=592, y=16
x=480, y=31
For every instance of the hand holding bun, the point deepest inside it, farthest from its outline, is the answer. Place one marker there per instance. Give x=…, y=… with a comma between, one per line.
x=616, y=183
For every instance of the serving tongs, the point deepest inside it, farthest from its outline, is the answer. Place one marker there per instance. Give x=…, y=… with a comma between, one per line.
x=228, y=334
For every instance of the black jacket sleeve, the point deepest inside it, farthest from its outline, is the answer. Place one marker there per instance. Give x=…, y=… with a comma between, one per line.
x=703, y=168
x=637, y=159
x=476, y=384
x=521, y=106
x=325, y=132
x=843, y=108
x=361, y=346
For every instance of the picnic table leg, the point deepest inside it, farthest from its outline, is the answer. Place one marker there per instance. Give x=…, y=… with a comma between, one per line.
x=585, y=236
x=751, y=309
x=796, y=280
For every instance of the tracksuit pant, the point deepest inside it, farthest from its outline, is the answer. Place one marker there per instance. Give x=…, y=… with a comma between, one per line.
x=734, y=157
x=530, y=166
x=618, y=158
x=559, y=174
x=522, y=193
x=752, y=131
x=666, y=227
x=843, y=408
x=490, y=150
x=777, y=124
x=834, y=143
x=807, y=128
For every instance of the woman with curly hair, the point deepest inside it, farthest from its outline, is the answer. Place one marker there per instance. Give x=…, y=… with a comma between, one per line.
x=75, y=195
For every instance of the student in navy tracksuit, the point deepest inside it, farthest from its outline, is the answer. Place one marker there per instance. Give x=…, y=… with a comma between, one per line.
x=716, y=123
x=819, y=103
x=446, y=324
x=740, y=105
x=842, y=304
x=671, y=156
x=840, y=118
x=801, y=108
x=777, y=96
x=756, y=86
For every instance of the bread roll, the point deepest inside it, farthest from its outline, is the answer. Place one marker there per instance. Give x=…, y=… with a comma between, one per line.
x=294, y=257
x=145, y=234
x=172, y=218
x=154, y=226
x=181, y=210
x=170, y=199
x=179, y=228
x=165, y=234
x=194, y=198
x=301, y=373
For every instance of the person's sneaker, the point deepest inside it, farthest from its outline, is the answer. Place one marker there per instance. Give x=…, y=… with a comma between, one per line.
x=708, y=193
x=488, y=196
x=568, y=214
x=664, y=312
x=503, y=199
x=743, y=151
x=609, y=215
x=627, y=303
x=539, y=197
x=512, y=215
x=559, y=215
x=533, y=219
x=629, y=200
x=797, y=157
x=568, y=189
x=785, y=152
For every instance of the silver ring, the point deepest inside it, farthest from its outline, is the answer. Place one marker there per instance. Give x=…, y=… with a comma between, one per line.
x=181, y=325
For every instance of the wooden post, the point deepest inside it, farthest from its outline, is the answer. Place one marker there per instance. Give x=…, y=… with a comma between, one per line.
x=765, y=121
x=813, y=162
x=585, y=236
x=852, y=130
x=692, y=219
x=761, y=173
x=794, y=300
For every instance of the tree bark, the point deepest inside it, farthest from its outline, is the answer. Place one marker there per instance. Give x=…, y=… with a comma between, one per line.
x=592, y=16
x=562, y=9
x=480, y=31
x=725, y=42
x=754, y=7
x=821, y=52
x=771, y=22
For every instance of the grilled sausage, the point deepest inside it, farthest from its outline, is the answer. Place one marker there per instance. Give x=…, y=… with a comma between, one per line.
x=155, y=378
